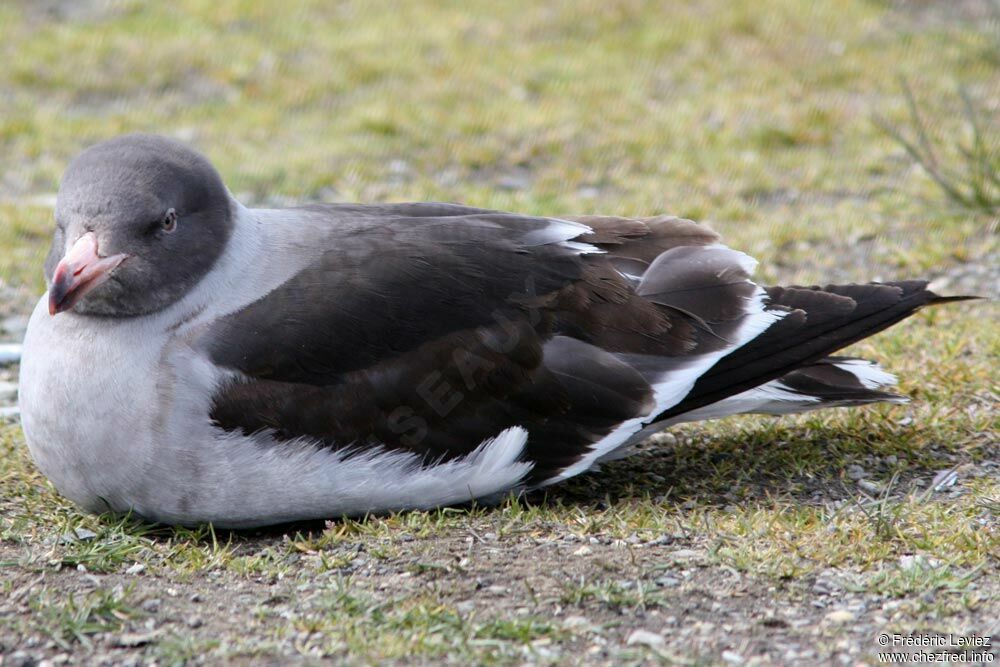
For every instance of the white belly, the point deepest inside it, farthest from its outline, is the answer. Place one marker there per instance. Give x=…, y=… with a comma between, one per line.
x=115, y=412
x=87, y=419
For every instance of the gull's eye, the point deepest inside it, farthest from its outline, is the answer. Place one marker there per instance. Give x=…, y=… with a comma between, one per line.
x=169, y=223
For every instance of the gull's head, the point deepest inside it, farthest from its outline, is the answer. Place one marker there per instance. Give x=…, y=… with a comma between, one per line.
x=140, y=219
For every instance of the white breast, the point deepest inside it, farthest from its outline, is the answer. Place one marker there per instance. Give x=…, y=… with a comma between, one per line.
x=83, y=392
x=109, y=405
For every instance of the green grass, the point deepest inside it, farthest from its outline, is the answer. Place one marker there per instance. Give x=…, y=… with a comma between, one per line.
x=766, y=124
x=71, y=621
x=614, y=595
x=971, y=177
x=25, y=234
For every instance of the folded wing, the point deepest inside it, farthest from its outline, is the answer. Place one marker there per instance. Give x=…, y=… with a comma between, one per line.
x=431, y=328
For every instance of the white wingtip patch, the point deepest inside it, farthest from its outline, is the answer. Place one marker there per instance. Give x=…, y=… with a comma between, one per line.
x=582, y=248
x=776, y=398
x=562, y=232
x=868, y=373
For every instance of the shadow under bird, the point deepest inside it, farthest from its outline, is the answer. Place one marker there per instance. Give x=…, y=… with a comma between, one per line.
x=195, y=360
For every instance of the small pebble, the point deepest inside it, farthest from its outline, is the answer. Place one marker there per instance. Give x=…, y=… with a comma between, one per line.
x=583, y=551
x=839, y=617
x=78, y=535
x=871, y=488
x=8, y=391
x=10, y=353
x=856, y=472
x=134, y=639
x=664, y=439
x=918, y=561
x=576, y=622
x=944, y=479
x=645, y=637
x=14, y=326
x=19, y=659
x=732, y=658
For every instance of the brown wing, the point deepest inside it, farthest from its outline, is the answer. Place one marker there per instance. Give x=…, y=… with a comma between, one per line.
x=432, y=327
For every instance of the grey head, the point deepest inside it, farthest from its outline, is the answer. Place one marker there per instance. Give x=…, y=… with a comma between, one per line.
x=140, y=219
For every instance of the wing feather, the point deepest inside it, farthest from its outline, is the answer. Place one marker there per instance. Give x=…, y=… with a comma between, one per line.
x=431, y=328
